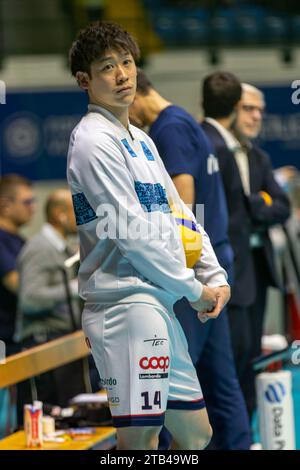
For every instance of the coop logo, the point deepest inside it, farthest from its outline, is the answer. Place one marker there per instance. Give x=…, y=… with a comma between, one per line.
x=2, y=92
x=161, y=363
x=158, y=364
x=296, y=94
x=275, y=392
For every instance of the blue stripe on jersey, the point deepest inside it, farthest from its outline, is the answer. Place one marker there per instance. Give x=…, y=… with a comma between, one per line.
x=152, y=197
x=129, y=149
x=138, y=420
x=186, y=405
x=147, y=151
x=84, y=213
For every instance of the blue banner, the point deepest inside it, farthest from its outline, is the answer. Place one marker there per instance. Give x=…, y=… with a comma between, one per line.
x=36, y=125
x=35, y=131
x=280, y=136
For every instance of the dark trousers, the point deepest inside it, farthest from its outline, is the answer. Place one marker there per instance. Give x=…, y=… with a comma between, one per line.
x=246, y=326
x=211, y=353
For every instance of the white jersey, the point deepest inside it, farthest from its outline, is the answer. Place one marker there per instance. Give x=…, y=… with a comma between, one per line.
x=121, y=194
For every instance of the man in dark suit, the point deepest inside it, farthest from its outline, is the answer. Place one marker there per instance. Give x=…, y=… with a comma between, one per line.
x=249, y=212
x=221, y=94
x=267, y=205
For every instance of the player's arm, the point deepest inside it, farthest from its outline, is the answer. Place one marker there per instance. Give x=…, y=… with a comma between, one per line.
x=11, y=281
x=210, y=273
x=185, y=185
x=207, y=269
x=109, y=185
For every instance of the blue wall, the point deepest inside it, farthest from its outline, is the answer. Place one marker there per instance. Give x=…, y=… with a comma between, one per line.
x=280, y=135
x=35, y=131
x=35, y=128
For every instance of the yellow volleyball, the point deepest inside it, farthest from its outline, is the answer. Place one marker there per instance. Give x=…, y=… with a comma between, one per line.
x=190, y=236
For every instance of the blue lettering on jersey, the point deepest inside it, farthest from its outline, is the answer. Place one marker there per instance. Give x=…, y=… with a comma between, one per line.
x=129, y=149
x=152, y=197
x=147, y=151
x=84, y=213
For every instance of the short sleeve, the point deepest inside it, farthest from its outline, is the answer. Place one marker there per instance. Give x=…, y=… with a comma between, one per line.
x=179, y=150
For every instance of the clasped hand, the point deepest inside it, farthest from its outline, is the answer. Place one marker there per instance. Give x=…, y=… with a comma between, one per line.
x=211, y=302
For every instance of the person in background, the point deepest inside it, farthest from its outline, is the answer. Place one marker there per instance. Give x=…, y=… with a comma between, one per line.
x=221, y=92
x=17, y=206
x=268, y=205
x=16, y=209
x=44, y=312
x=190, y=161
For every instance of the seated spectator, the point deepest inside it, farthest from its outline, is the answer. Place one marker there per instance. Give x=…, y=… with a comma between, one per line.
x=16, y=209
x=44, y=313
x=43, y=308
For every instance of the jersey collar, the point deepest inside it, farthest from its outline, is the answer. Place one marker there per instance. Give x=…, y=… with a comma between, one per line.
x=93, y=108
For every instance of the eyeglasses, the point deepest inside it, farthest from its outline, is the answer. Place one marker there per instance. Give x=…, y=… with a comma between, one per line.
x=249, y=108
x=26, y=202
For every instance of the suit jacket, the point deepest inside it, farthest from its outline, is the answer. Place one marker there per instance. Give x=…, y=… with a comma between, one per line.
x=262, y=216
x=243, y=291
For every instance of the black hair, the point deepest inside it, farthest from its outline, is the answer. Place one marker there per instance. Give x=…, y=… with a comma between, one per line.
x=94, y=40
x=221, y=92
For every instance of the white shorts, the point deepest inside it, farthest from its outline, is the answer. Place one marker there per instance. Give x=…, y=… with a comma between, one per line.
x=142, y=357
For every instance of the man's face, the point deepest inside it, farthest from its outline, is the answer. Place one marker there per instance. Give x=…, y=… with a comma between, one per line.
x=112, y=83
x=136, y=112
x=249, y=115
x=21, y=207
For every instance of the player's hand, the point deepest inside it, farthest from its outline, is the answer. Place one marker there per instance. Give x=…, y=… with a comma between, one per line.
x=207, y=301
x=223, y=296
x=224, y=293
